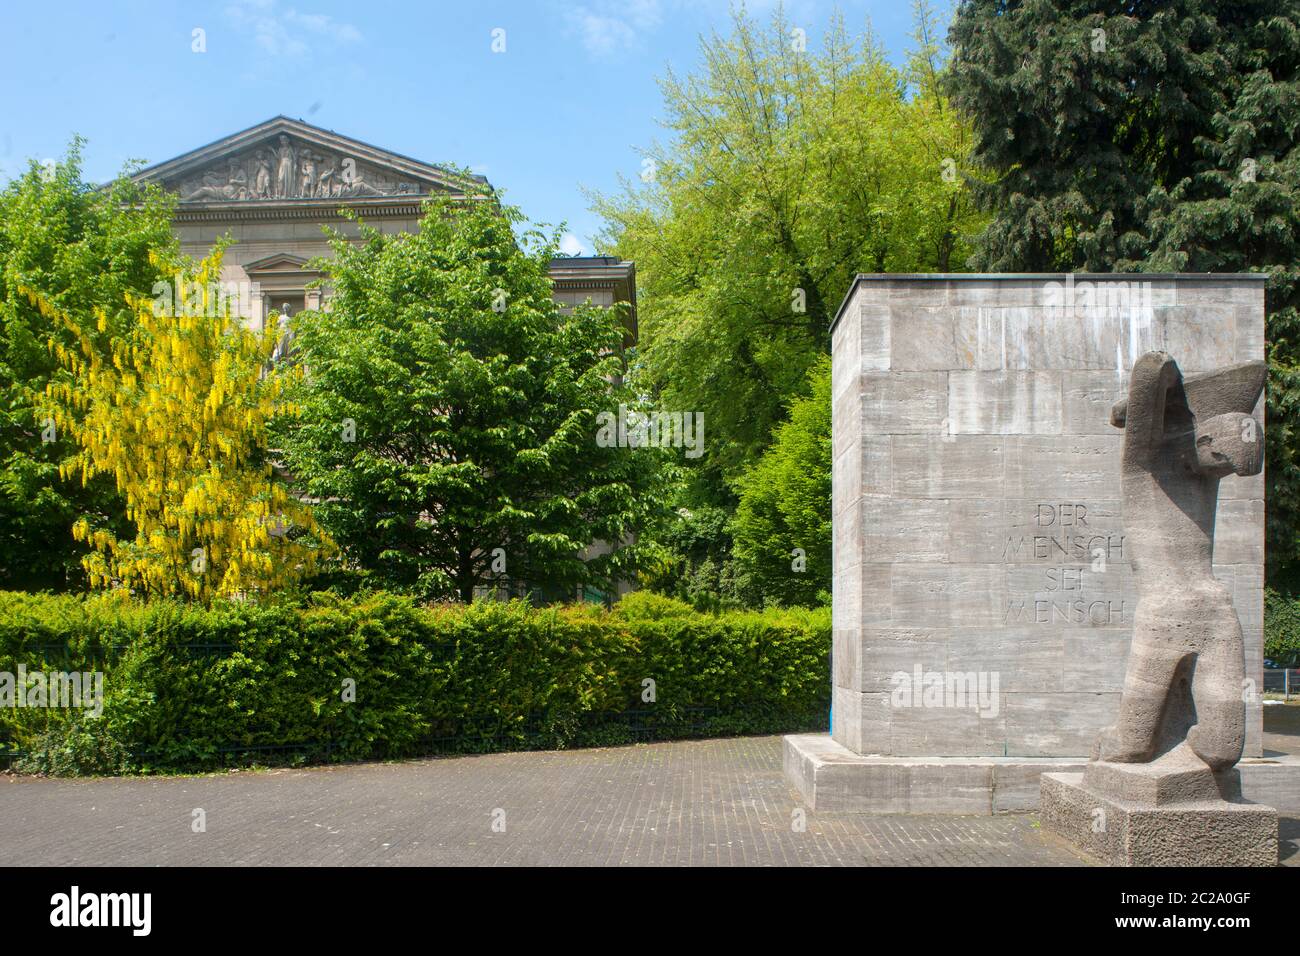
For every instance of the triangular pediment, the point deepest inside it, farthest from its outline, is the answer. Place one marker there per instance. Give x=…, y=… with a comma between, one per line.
x=288, y=161
x=279, y=262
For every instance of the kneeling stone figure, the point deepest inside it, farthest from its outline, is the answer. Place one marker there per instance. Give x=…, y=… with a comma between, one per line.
x=1162, y=787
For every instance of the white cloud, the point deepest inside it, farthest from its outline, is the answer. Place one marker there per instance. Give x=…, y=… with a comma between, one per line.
x=610, y=27
x=287, y=31
x=571, y=245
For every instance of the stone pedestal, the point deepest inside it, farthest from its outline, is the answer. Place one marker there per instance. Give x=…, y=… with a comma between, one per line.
x=830, y=777
x=1172, y=812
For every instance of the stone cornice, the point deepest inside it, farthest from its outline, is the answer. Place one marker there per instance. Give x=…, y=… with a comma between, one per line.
x=310, y=209
x=905, y=278
x=584, y=283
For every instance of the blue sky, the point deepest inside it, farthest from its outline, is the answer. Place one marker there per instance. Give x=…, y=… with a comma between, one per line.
x=566, y=106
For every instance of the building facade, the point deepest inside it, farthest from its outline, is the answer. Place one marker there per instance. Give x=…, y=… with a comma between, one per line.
x=273, y=186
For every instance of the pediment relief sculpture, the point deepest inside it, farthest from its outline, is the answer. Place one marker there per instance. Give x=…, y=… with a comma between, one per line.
x=289, y=168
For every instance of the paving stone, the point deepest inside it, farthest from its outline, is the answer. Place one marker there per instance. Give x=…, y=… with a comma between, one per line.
x=696, y=803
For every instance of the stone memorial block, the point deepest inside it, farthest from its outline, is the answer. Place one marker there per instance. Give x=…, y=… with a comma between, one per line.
x=983, y=602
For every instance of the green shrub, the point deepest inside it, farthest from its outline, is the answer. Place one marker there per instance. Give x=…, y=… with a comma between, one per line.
x=1281, y=627
x=76, y=749
x=648, y=606
x=191, y=688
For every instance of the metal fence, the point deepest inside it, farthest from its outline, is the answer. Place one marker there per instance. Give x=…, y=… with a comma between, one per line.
x=1284, y=681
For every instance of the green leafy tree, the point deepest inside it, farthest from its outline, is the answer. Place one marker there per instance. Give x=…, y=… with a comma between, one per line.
x=1147, y=137
x=782, y=526
x=692, y=560
x=788, y=169
x=450, y=413
x=83, y=249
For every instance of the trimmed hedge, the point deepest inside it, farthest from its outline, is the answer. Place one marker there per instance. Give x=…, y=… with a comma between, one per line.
x=188, y=688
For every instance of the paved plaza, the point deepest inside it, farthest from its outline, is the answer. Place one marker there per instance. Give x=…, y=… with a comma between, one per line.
x=712, y=803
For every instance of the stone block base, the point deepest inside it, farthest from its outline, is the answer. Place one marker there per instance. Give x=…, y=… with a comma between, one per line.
x=1123, y=832
x=830, y=777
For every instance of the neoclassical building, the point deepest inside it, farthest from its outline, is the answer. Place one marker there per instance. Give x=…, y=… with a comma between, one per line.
x=271, y=187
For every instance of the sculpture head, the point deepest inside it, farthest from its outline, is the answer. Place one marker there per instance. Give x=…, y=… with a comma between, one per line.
x=1230, y=444
x=1215, y=411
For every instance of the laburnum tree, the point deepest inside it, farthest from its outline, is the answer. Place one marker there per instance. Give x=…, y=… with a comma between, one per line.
x=451, y=414
x=175, y=409
x=792, y=162
x=82, y=247
x=1149, y=136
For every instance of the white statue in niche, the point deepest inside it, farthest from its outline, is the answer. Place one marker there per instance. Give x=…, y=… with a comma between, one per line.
x=285, y=342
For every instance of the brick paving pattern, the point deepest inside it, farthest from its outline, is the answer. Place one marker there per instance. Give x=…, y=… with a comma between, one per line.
x=699, y=803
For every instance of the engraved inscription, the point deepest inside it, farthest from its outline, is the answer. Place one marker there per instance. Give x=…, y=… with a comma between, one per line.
x=1078, y=555
x=1062, y=533
x=1079, y=611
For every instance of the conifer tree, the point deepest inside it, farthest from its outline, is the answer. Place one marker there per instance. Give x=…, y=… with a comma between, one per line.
x=1152, y=136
